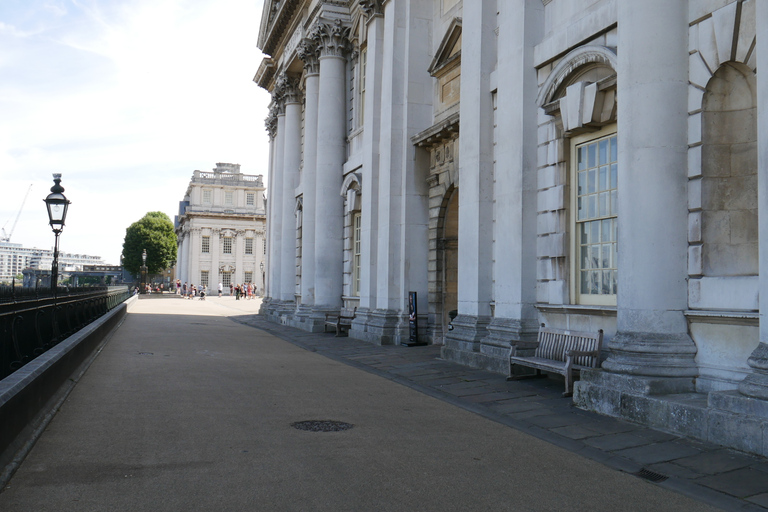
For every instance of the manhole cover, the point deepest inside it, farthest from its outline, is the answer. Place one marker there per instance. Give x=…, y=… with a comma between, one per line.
x=322, y=425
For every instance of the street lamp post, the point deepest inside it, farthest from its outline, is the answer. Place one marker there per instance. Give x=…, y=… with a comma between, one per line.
x=143, y=272
x=261, y=266
x=57, y=205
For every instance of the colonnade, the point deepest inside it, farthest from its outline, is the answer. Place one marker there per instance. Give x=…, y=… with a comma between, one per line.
x=316, y=180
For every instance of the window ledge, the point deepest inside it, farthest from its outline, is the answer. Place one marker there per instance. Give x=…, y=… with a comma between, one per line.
x=577, y=309
x=723, y=317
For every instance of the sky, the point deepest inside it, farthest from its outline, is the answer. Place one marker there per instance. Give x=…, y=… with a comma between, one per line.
x=124, y=98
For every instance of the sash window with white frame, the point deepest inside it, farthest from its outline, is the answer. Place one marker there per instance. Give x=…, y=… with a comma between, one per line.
x=356, y=253
x=595, y=223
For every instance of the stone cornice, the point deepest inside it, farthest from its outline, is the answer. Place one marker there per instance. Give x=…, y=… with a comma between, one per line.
x=276, y=20
x=265, y=73
x=438, y=133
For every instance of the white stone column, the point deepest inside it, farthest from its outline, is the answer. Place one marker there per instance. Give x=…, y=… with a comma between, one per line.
x=756, y=384
x=331, y=154
x=652, y=338
x=289, y=89
x=308, y=53
x=194, y=256
x=475, y=177
x=521, y=24
x=182, y=256
x=275, y=219
x=270, y=124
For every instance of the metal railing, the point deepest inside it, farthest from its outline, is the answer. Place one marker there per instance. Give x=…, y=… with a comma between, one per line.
x=34, y=320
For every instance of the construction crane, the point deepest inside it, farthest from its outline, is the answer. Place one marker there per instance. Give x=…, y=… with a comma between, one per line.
x=6, y=237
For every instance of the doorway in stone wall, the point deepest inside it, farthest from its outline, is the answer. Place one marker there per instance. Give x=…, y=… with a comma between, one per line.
x=449, y=247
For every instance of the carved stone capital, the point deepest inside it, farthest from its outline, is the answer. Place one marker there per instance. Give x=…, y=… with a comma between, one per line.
x=270, y=122
x=372, y=8
x=278, y=103
x=288, y=87
x=309, y=52
x=332, y=38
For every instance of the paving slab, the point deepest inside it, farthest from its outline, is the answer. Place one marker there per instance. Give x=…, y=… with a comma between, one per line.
x=186, y=409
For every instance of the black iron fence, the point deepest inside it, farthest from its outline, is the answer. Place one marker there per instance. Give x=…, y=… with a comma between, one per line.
x=34, y=320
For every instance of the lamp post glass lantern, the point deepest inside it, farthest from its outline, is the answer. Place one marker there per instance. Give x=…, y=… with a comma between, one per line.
x=57, y=205
x=144, y=271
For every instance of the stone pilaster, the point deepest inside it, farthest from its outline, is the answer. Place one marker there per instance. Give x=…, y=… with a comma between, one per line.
x=215, y=275
x=194, y=252
x=515, y=317
x=370, y=174
x=475, y=181
x=756, y=384
x=652, y=341
x=332, y=42
x=238, y=245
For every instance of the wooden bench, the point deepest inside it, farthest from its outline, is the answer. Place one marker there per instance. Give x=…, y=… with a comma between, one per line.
x=558, y=351
x=341, y=321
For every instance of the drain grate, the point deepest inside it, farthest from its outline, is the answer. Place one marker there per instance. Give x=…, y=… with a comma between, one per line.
x=650, y=475
x=146, y=354
x=322, y=425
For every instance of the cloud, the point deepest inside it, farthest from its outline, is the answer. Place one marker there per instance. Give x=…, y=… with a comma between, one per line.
x=126, y=99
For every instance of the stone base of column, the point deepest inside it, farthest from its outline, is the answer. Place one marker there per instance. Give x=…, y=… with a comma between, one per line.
x=380, y=326
x=315, y=322
x=266, y=305
x=502, y=333
x=277, y=311
x=726, y=418
x=302, y=318
x=462, y=344
x=652, y=355
x=755, y=385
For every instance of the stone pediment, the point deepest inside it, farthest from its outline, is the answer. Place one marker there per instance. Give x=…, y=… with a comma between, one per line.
x=448, y=55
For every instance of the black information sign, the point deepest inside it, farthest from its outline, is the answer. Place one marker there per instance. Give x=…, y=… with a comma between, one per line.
x=413, y=320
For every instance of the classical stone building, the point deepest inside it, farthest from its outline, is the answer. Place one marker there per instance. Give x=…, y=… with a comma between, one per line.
x=587, y=164
x=221, y=229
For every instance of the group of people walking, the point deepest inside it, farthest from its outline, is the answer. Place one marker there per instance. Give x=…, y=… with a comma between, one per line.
x=190, y=291
x=247, y=291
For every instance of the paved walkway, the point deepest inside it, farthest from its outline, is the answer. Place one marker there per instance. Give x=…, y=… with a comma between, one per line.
x=186, y=409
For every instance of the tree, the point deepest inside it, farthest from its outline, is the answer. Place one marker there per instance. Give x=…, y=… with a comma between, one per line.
x=153, y=232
